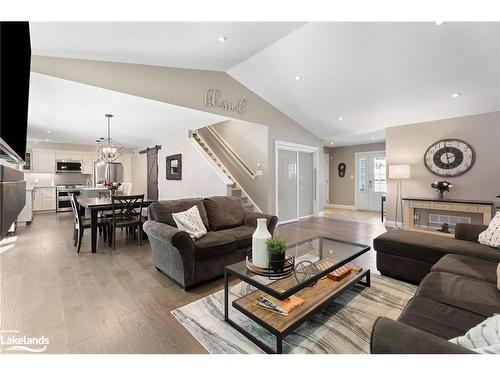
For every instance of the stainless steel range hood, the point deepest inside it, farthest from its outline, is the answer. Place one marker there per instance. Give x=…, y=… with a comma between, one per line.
x=12, y=197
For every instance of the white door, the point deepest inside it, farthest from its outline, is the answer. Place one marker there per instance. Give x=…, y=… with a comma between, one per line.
x=326, y=165
x=371, y=180
x=296, y=186
x=287, y=185
x=307, y=183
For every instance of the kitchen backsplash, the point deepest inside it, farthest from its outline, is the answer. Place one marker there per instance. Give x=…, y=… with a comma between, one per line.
x=53, y=179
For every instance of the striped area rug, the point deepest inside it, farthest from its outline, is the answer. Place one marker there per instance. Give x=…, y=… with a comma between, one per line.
x=344, y=326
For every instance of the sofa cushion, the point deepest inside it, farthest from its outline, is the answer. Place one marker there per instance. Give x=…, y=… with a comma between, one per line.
x=162, y=211
x=429, y=248
x=214, y=244
x=474, y=268
x=477, y=296
x=243, y=235
x=438, y=318
x=224, y=212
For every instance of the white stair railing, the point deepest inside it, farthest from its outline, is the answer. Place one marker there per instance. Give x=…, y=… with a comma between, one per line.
x=231, y=152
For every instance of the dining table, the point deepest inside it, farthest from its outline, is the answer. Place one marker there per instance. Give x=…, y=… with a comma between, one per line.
x=95, y=205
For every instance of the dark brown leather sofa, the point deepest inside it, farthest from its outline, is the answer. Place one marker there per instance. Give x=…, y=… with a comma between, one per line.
x=458, y=292
x=227, y=241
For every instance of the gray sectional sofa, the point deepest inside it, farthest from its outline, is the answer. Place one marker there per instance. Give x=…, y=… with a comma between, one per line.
x=457, y=289
x=227, y=241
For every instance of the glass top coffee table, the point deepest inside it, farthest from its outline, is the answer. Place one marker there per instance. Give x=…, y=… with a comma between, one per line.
x=315, y=258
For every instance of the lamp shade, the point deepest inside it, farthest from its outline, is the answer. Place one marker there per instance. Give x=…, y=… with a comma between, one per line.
x=399, y=171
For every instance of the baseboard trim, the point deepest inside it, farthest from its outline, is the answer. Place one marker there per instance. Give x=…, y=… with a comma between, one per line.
x=393, y=224
x=342, y=206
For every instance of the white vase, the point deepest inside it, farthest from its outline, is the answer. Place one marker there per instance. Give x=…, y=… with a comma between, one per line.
x=260, y=256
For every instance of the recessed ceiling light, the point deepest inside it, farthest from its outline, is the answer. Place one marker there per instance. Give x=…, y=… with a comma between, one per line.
x=439, y=23
x=456, y=94
x=46, y=140
x=340, y=118
x=331, y=143
x=298, y=78
x=48, y=131
x=373, y=138
x=222, y=38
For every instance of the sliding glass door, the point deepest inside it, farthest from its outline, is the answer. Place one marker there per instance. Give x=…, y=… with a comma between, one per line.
x=296, y=182
x=306, y=184
x=287, y=185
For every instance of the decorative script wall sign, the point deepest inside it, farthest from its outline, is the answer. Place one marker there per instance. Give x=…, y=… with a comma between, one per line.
x=213, y=99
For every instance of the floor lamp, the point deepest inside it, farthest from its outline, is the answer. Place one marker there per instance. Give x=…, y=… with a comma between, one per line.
x=399, y=172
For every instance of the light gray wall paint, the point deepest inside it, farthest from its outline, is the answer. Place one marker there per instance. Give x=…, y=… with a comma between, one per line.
x=407, y=145
x=185, y=87
x=342, y=188
x=249, y=141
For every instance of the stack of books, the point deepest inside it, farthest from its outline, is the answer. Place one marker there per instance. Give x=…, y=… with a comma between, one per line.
x=285, y=307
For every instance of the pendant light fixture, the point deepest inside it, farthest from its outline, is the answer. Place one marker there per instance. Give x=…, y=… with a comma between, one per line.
x=99, y=160
x=108, y=150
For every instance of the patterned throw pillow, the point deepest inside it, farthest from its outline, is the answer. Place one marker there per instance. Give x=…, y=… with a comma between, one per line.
x=190, y=221
x=498, y=276
x=491, y=236
x=483, y=338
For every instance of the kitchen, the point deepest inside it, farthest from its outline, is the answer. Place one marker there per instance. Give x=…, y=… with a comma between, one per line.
x=52, y=170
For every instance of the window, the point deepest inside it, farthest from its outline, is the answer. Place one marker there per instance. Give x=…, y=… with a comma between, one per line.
x=362, y=175
x=379, y=175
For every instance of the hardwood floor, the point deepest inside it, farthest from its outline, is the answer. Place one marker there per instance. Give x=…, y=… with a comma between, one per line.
x=113, y=302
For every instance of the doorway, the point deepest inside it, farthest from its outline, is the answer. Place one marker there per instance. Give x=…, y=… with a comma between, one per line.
x=371, y=180
x=296, y=181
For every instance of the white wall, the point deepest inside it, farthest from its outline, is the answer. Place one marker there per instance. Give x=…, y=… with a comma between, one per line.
x=198, y=178
x=139, y=173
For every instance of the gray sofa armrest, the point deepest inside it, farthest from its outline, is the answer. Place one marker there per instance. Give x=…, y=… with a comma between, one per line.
x=469, y=232
x=172, y=250
x=392, y=337
x=251, y=220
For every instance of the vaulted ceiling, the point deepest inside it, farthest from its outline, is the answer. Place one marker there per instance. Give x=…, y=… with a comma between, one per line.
x=356, y=79
x=63, y=111
x=345, y=82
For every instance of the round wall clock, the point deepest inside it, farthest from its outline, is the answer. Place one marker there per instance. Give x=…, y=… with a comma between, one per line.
x=449, y=157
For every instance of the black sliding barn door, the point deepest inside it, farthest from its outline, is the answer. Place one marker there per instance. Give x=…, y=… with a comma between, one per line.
x=152, y=179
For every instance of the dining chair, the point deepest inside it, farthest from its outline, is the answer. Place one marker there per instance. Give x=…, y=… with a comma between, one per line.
x=82, y=223
x=127, y=211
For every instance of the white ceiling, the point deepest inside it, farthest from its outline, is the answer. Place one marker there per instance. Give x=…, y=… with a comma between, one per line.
x=373, y=75
x=193, y=45
x=377, y=75
x=74, y=113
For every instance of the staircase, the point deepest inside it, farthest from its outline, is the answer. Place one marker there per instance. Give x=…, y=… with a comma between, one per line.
x=235, y=188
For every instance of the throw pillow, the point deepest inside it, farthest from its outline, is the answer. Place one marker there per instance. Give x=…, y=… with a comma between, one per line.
x=491, y=236
x=190, y=221
x=498, y=276
x=483, y=338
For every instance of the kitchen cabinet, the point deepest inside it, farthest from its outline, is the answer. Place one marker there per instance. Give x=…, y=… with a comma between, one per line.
x=44, y=198
x=88, y=163
x=26, y=214
x=43, y=161
x=68, y=155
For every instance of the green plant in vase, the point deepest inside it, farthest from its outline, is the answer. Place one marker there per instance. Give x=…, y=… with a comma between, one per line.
x=276, y=248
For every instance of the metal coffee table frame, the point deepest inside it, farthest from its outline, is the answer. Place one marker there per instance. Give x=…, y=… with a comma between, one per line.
x=365, y=274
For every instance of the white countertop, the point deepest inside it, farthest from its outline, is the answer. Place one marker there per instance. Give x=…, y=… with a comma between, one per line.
x=93, y=188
